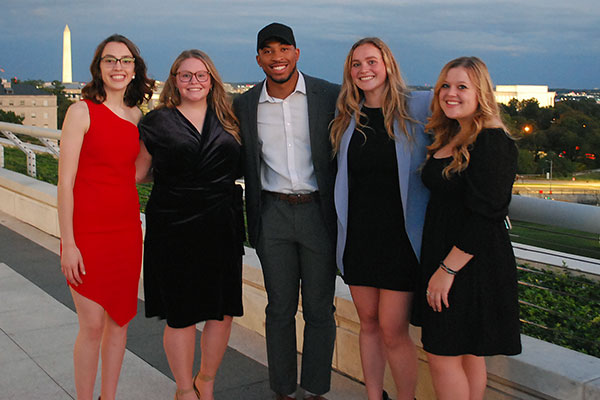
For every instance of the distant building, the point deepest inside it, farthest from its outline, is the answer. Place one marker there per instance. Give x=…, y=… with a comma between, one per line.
x=505, y=93
x=73, y=90
x=36, y=106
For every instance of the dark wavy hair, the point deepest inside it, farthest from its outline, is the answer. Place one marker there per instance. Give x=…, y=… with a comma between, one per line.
x=138, y=90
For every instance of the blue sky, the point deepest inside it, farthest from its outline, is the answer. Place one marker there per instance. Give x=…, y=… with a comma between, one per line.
x=545, y=42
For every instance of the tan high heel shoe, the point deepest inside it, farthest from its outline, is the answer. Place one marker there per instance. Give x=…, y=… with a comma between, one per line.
x=181, y=392
x=203, y=378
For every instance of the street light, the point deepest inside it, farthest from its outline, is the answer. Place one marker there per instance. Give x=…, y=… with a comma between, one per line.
x=550, y=175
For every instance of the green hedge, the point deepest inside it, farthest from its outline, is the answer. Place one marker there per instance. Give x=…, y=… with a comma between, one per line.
x=560, y=308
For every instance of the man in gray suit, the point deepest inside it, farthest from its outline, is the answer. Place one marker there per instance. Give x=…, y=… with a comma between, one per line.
x=289, y=176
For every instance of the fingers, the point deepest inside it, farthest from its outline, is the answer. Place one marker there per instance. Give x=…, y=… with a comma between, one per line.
x=77, y=277
x=436, y=299
x=72, y=265
x=445, y=300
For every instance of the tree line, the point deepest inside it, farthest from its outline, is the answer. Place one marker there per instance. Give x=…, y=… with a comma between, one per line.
x=566, y=136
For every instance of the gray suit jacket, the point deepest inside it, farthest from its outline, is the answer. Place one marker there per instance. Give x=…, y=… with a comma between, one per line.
x=321, y=98
x=410, y=157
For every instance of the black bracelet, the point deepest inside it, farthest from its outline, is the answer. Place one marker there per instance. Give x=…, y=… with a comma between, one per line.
x=447, y=269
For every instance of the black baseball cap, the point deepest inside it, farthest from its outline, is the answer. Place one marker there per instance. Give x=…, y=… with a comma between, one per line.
x=275, y=31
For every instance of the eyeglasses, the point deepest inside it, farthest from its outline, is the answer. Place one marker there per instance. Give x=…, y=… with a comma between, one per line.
x=186, y=76
x=111, y=61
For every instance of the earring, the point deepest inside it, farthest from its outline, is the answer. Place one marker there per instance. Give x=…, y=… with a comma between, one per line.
x=133, y=76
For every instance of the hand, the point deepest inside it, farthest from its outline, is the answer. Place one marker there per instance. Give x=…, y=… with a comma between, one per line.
x=71, y=264
x=438, y=289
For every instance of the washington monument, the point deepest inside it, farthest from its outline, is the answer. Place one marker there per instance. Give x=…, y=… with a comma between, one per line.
x=67, y=76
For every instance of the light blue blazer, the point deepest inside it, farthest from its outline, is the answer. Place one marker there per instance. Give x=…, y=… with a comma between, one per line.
x=411, y=155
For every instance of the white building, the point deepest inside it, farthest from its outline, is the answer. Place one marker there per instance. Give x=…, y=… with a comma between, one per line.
x=505, y=93
x=37, y=107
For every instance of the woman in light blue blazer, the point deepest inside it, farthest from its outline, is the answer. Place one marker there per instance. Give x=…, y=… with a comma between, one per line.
x=379, y=139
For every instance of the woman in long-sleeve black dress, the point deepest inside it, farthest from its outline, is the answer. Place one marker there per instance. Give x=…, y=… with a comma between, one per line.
x=467, y=304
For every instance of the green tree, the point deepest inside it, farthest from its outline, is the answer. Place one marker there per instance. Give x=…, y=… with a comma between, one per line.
x=9, y=116
x=529, y=109
x=526, y=162
x=62, y=102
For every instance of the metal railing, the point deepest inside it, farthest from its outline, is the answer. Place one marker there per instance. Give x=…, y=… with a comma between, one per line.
x=46, y=136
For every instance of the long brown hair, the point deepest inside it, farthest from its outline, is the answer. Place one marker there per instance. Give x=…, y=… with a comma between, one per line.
x=394, y=96
x=218, y=99
x=487, y=114
x=138, y=90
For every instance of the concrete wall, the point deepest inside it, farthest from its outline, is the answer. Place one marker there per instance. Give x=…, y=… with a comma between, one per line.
x=542, y=371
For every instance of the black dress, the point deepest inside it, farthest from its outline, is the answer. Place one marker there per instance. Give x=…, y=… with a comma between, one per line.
x=378, y=252
x=468, y=211
x=193, y=246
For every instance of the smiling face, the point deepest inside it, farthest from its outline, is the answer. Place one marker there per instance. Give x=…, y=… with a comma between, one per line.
x=193, y=91
x=368, y=72
x=117, y=76
x=278, y=61
x=458, y=96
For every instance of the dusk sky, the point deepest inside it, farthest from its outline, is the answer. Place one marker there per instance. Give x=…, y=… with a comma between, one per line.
x=543, y=42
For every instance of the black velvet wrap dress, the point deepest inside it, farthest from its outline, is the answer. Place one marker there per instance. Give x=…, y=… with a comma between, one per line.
x=468, y=211
x=194, y=223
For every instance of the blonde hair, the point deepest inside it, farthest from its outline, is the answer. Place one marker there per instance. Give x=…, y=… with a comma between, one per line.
x=487, y=114
x=394, y=96
x=218, y=99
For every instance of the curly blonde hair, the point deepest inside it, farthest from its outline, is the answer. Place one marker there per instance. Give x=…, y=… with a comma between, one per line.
x=487, y=114
x=218, y=99
x=394, y=96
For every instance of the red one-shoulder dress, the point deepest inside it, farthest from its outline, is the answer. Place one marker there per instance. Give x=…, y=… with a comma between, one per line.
x=106, y=214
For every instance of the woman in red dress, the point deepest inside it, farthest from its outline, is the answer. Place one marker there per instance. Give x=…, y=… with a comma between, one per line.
x=98, y=210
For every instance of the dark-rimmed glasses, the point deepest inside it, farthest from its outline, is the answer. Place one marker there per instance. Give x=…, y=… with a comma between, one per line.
x=111, y=61
x=186, y=76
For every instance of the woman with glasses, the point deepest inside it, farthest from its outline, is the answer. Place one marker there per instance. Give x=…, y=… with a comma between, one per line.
x=98, y=210
x=193, y=247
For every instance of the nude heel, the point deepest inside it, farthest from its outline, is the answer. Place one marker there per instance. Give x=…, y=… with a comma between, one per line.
x=180, y=392
x=203, y=378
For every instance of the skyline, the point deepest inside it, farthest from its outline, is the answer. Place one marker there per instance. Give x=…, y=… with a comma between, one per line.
x=540, y=43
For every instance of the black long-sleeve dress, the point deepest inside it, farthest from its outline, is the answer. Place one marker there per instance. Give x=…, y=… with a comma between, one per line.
x=468, y=211
x=193, y=246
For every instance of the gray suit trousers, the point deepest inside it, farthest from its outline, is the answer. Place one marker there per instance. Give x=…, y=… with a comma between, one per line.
x=297, y=254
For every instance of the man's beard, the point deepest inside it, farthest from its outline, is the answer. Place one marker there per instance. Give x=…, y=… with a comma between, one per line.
x=284, y=80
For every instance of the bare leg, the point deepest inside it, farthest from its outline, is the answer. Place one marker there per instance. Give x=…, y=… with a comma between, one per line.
x=372, y=354
x=213, y=343
x=87, y=345
x=179, y=347
x=394, y=315
x=114, y=340
x=449, y=379
x=476, y=372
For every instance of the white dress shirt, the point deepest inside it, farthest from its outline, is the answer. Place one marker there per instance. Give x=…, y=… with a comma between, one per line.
x=284, y=140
